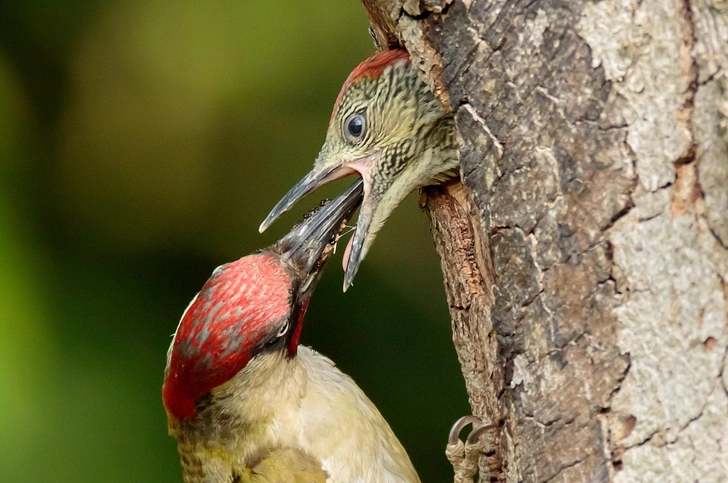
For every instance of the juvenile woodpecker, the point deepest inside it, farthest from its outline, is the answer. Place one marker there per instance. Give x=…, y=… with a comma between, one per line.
x=389, y=127
x=245, y=402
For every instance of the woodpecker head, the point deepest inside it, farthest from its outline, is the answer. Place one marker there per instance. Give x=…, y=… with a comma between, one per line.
x=388, y=127
x=249, y=306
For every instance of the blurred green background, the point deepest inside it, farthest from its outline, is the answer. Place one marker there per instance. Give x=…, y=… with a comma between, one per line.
x=141, y=144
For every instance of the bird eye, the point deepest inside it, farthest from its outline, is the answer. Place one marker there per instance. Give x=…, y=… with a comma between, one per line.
x=355, y=126
x=282, y=330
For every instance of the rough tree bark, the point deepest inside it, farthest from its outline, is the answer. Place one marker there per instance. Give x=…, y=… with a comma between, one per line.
x=584, y=255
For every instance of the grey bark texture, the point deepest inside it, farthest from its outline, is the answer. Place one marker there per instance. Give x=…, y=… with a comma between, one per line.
x=584, y=254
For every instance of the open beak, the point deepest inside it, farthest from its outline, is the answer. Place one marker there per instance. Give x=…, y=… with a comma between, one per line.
x=354, y=253
x=309, y=244
x=313, y=180
x=321, y=174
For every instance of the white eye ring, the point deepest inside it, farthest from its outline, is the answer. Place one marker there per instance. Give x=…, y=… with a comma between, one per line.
x=282, y=331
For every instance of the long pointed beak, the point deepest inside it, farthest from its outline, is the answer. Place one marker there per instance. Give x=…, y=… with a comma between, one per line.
x=314, y=179
x=355, y=250
x=309, y=244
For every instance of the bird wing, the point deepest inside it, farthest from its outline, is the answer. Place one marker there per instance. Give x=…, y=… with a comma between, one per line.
x=285, y=465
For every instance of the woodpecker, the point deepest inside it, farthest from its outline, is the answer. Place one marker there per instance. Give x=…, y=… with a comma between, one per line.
x=246, y=402
x=389, y=127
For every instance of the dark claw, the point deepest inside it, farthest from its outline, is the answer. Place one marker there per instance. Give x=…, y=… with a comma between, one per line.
x=478, y=429
x=459, y=425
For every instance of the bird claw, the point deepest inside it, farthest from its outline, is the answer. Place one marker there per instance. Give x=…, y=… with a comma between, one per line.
x=464, y=457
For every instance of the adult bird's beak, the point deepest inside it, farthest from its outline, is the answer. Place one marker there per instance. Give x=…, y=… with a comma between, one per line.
x=309, y=244
x=322, y=173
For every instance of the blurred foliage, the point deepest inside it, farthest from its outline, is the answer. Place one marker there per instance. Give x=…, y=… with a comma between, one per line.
x=141, y=144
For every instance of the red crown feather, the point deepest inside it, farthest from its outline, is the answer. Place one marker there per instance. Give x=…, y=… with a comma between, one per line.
x=371, y=68
x=237, y=306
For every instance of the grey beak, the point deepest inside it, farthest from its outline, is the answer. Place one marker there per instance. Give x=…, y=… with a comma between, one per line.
x=309, y=244
x=356, y=255
x=309, y=183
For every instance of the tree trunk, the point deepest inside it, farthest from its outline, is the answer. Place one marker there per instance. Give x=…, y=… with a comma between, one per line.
x=584, y=255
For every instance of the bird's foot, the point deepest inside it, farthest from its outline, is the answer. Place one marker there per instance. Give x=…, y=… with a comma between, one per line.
x=464, y=456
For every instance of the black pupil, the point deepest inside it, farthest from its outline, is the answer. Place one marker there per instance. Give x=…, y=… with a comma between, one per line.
x=356, y=125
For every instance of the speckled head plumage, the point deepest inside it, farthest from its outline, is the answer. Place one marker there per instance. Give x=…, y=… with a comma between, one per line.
x=371, y=70
x=249, y=306
x=388, y=127
x=243, y=305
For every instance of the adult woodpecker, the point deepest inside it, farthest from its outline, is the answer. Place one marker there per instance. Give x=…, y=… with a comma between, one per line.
x=389, y=127
x=246, y=402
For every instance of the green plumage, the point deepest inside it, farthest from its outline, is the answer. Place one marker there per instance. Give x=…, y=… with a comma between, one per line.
x=285, y=466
